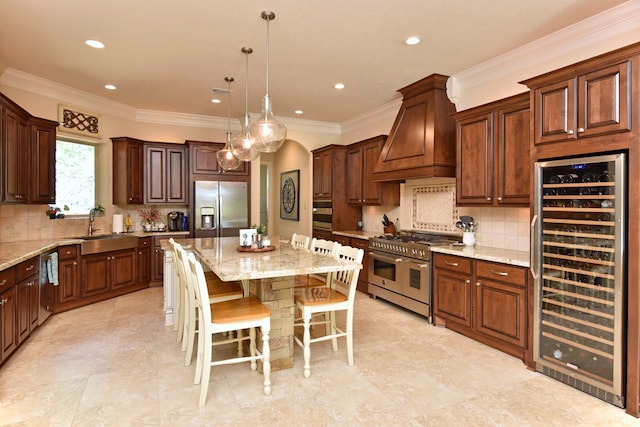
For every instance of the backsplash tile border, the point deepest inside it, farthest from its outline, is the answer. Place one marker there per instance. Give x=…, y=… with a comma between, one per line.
x=434, y=208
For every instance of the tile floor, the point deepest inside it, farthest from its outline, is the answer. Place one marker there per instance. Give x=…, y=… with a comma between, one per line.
x=115, y=364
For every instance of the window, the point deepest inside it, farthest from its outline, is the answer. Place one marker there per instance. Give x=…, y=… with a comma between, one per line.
x=75, y=177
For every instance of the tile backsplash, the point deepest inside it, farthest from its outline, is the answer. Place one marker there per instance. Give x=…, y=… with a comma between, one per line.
x=429, y=205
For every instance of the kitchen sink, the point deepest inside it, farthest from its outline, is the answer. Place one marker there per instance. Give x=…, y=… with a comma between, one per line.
x=106, y=243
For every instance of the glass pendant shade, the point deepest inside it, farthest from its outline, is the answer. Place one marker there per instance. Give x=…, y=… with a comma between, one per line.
x=242, y=145
x=226, y=159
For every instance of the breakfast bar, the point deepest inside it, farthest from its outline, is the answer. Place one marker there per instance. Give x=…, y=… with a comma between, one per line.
x=269, y=276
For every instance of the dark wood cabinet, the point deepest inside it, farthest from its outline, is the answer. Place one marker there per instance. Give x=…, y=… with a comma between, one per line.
x=14, y=145
x=157, y=259
x=483, y=300
x=362, y=189
x=204, y=162
x=101, y=273
x=165, y=174
x=493, y=167
x=68, y=289
x=144, y=261
x=42, y=161
x=8, y=313
x=322, y=234
x=128, y=171
x=122, y=269
x=27, y=298
x=363, y=278
x=323, y=174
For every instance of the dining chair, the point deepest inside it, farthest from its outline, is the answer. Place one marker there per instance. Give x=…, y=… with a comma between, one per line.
x=339, y=295
x=228, y=316
x=320, y=247
x=300, y=241
x=217, y=291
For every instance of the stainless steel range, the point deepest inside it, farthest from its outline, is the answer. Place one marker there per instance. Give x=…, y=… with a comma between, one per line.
x=400, y=270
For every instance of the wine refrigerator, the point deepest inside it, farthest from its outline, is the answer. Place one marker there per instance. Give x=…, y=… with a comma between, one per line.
x=578, y=236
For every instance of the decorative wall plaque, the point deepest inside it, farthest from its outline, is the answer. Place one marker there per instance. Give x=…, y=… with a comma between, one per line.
x=75, y=120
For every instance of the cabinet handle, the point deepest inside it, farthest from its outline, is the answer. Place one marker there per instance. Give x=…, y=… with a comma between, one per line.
x=580, y=130
x=3, y=282
x=500, y=273
x=570, y=132
x=467, y=281
x=478, y=284
x=489, y=199
x=455, y=264
x=30, y=267
x=75, y=263
x=499, y=199
x=4, y=301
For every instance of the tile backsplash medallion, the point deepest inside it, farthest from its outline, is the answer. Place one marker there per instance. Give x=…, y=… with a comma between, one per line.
x=429, y=205
x=29, y=222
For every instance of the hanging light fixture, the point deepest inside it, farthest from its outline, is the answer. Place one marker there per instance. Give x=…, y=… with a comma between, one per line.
x=242, y=145
x=268, y=133
x=226, y=159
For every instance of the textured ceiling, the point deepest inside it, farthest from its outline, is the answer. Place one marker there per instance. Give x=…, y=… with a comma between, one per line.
x=167, y=55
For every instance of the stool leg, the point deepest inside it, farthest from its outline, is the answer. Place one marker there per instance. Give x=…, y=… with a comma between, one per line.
x=266, y=356
x=252, y=347
x=306, y=340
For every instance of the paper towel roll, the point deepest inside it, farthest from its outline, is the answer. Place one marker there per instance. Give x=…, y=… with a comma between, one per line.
x=118, y=223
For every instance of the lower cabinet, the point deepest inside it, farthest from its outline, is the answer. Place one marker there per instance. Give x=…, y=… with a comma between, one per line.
x=144, y=261
x=363, y=278
x=157, y=259
x=483, y=300
x=8, y=313
x=68, y=289
x=101, y=273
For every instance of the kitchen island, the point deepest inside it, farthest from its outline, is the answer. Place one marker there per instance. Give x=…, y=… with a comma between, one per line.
x=269, y=276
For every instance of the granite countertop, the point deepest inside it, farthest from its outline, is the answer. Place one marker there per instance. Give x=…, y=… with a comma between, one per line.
x=505, y=256
x=357, y=234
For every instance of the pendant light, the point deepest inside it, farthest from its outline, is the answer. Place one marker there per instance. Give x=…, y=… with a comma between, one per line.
x=226, y=159
x=242, y=145
x=268, y=133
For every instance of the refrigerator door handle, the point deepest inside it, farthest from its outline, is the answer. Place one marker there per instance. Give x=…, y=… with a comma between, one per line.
x=534, y=244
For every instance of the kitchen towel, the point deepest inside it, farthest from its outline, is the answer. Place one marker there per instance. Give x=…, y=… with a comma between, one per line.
x=52, y=268
x=118, y=223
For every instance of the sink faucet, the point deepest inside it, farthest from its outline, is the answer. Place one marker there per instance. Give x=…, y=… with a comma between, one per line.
x=92, y=217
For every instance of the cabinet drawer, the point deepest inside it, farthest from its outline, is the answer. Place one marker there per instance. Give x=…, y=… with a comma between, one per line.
x=28, y=268
x=452, y=263
x=68, y=252
x=7, y=278
x=343, y=240
x=501, y=272
x=144, y=242
x=360, y=244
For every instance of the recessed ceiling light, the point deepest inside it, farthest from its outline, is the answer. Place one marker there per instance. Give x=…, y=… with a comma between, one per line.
x=298, y=111
x=339, y=86
x=110, y=87
x=94, y=43
x=216, y=101
x=412, y=40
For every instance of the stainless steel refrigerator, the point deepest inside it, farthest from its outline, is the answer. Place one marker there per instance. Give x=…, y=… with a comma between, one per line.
x=220, y=208
x=579, y=269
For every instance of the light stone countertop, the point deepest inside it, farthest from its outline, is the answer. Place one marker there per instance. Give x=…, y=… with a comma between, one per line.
x=357, y=234
x=504, y=256
x=223, y=258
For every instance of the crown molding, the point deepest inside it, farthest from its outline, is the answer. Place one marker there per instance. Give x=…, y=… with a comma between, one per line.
x=373, y=117
x=595, y=35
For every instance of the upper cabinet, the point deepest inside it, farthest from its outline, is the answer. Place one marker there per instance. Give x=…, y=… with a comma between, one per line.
x=152, y=173
x=323, y=173
x=204, y=162
x=493, y=153
x=422, y=141
x=593, y=99
x=362, y=189
x=165, y=174
x=27, y=163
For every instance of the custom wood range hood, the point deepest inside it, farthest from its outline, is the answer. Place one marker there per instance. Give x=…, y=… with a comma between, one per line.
x=422, y=141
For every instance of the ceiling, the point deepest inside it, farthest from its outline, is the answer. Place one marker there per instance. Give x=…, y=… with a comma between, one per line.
x=167, y=55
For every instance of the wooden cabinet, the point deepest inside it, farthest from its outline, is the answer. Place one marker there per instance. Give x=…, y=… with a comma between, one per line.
x=362, y=189
x=165, y=174
x=128, y=171
x=157, y=259
x=68, y=289
x=493, y=166
x=42, y=161
x=484, y=300
x=322, y=234
x=330, y=183
x=101, y=273
x=144, y=261
x=592, y=100
x=8, y=313
x=27, y=297
x=14, y=145
x=204, y=162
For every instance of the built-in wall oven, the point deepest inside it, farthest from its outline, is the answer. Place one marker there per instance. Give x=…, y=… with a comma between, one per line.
x=400, y=270
x=322, y=214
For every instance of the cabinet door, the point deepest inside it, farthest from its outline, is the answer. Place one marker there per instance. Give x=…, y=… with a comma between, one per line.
x=501, y=311
x=554, y=112
x=122, y=269
x=144, y=265
x=135, y=173
x=452, y=297
x=203, y=160
x=322, y=182
x=475, y=160
x=8, y=326
x=95, y=273
x=68, y=289
x=14, y=158
x=128, y=171
x=27, y=304
x=176, y=175
x=604, y=101
x=355, y=176
x=42, y=163
x=371, y=190
x=155, y=174
x=363, y=278
x=512, y=155
x=157, y=261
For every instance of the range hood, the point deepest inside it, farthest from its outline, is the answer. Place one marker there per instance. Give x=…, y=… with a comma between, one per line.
x=422, y=141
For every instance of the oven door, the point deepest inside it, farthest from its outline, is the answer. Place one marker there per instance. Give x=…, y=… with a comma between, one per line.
x=386, y=271
x=415, y=280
